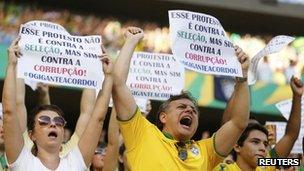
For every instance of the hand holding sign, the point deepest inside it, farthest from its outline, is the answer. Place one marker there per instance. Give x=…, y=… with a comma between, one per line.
x=243, y=59
x=14, y=52
x=275, y=45
x=201, y=44
x=52, y=55
x=107, y=65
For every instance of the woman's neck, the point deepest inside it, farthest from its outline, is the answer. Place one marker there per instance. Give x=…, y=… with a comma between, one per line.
x=96, y=169
x=49, y=158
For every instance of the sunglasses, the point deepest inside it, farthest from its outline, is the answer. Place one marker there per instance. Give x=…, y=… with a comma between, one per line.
x=46, y=120
x=100, y=151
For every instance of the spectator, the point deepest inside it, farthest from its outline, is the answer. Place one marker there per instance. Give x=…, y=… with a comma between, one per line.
x=264, y=72
x=86, y=108
x=106, y=155
x=285, y=144
x=251, y=145
x=98, y=158
x=170, y=147
x=46, y=127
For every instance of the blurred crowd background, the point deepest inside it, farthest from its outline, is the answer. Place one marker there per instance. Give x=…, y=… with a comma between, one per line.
x=276, y=68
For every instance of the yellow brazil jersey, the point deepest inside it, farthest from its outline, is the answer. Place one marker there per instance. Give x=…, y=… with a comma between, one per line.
x=235, y=167
x=271, y=154
x=66, y=148
x=147, y=148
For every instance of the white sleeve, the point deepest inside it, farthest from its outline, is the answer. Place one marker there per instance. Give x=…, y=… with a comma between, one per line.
x=76, y=160
x=24, y=159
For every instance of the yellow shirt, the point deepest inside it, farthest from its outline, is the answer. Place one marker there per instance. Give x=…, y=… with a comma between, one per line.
x=235, y=167
x=148, y=149
x=65, y=147
x=229, y=167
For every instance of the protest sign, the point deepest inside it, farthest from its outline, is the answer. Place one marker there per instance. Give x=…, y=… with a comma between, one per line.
x=201, y=44
x=275, y=45
x=142, y=104
x=52, y=55
x=155, y=76
x=285, y=107
x=32, y=84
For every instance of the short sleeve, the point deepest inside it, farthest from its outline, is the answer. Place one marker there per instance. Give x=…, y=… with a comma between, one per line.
x=133, y=129
x=209, y=151
x=24, y=159
x=75, y=159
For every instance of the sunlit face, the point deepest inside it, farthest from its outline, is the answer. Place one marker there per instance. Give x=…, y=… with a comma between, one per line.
x=47, y=135
x=98, y=159
x=180, y=119
x=1, y=132
x=254, y=147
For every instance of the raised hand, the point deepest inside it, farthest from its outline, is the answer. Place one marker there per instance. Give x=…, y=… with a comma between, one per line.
x=243, y=59
x=14, y=52
x=107, y=64
x=134, y=33
x=43, y=87
x=296, y=86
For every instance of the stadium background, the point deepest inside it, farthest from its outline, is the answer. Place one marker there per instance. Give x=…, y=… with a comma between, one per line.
x=258, y=19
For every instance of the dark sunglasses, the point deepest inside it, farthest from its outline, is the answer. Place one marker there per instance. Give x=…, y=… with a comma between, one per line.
x=46, y=120
x=100, y=151
x=182, y=150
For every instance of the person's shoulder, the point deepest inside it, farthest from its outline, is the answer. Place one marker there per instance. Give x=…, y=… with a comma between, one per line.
x=136, y=114
x=226, y=167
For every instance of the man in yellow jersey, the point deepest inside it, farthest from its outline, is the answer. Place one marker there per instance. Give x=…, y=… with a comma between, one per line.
x=283, y=147
x=251, y=145
x=170, y=147
x=245, y=157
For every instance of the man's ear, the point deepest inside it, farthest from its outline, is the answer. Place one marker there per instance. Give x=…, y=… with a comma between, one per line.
x=163, y=117
x=237, y=148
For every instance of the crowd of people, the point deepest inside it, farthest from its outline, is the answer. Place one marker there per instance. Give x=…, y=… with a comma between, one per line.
x=36, y=140
x=167, y=145
x=277, y=69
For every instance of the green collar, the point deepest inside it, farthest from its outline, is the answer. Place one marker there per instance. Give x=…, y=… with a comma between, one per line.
x=169, y=136
x=3, y=162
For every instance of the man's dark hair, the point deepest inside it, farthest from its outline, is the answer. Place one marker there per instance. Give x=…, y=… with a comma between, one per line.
x=245, y=134
x=164, y=106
